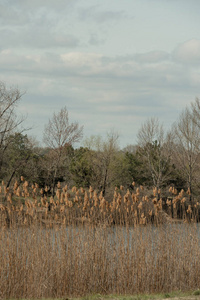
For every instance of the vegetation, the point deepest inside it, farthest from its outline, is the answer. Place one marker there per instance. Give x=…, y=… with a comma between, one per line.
x=78, y=243
x=24, y=205
x=45, y=258
x=98, y=219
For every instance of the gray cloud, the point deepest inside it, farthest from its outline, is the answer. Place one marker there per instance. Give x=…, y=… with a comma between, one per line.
x=36, y=37
x=37, y=4
x=11, y=16
x=152, y=57
x=32, y=24
x=95, y=14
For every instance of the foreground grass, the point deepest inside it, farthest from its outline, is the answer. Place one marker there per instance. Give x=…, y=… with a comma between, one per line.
x=78, y=261
x=177, y=295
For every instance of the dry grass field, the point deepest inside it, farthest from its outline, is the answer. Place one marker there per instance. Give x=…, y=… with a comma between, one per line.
x=81, y=244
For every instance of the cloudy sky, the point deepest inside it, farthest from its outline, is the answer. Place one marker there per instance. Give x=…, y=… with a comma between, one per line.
x=112, y=63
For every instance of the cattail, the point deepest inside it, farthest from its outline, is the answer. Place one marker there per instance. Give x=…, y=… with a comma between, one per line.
x=58, y=185
x=43, y=202
x=174, y=191
x=25, y=184
x=189, y=210
x=155, y=190
x=115, y=194
x=6, y=190
x=82, y=190
x=168, y=202
x=183, y=200
x=150, y=212
x=125, y=198
x=58, y=194
x=128, y=203
x=62, y=208
x=74, y=189
x=91, y=189
x=101, y=195
x=65, y=188
x=86, y=198
x=140, y=205
x=133, y=197
x=188, y=191
x=70, y=203
x=170, y=189
x=119, y=199
x=9, y=198
x=15, y=185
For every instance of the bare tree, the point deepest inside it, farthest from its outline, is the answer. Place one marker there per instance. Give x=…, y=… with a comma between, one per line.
x=59, y=133
x=195, y=112
x=187, y=144
x=103, y=158
x=155, y=150
x=9, y=122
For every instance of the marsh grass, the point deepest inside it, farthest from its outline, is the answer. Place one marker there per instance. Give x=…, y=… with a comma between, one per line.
x=80, y=243
x=24, y=205
x=71, y=262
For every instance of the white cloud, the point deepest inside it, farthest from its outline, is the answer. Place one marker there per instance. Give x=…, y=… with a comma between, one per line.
x=188, y=52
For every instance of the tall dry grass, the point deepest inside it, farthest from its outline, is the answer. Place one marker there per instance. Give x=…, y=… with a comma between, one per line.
x=81, y=243
x=24, y=205
x=36, y=262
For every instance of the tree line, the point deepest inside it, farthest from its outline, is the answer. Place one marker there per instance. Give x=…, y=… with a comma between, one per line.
x=160, y=159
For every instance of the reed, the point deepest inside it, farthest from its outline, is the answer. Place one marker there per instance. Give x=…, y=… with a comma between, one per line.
x=80, y=243
x=26, y=204
x=77, y=261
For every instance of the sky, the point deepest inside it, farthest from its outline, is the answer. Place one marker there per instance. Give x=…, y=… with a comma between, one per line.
x=112, y=63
